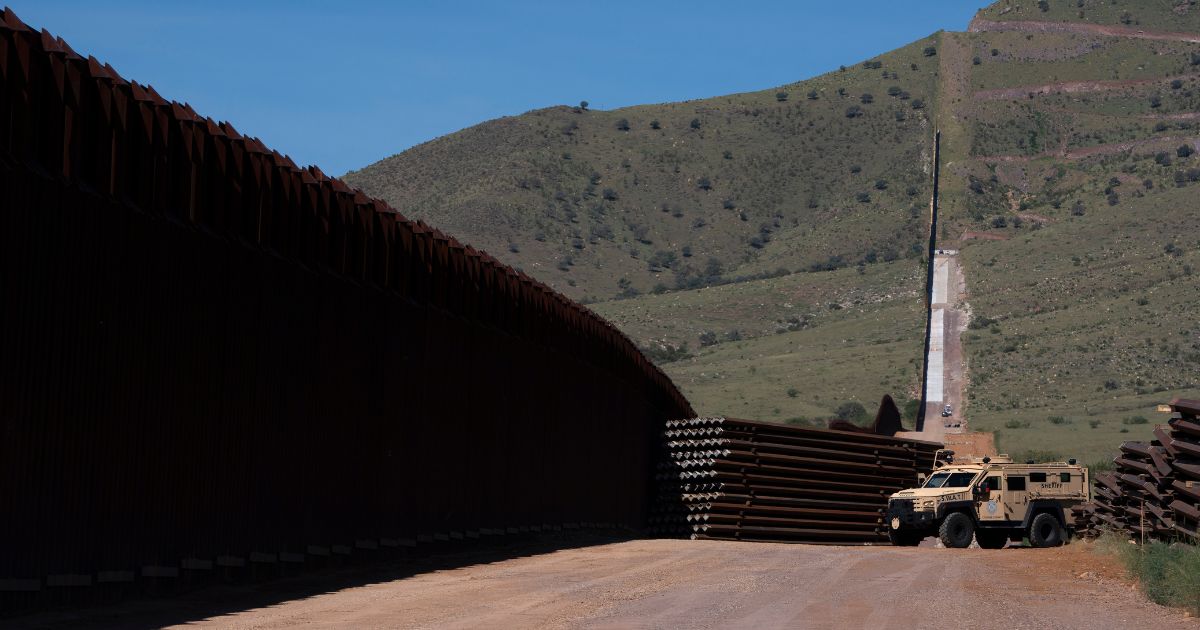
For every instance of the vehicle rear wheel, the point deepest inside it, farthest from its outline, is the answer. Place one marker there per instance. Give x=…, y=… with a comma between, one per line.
x=957, y=530
x=905, y=538
x=1045, y=531
x=991, y=539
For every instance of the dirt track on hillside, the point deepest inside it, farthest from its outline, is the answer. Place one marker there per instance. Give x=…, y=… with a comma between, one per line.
x=1067, y=87
x=1103, y=30
x=1166, y=142
x=707, y=584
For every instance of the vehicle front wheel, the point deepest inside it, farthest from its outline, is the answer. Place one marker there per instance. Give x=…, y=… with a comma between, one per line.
x=1045, y=531
x=957, y=530
x=991, y=539
x=905, y=538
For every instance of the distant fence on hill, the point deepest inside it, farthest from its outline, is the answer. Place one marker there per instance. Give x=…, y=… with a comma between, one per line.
x=210, y=357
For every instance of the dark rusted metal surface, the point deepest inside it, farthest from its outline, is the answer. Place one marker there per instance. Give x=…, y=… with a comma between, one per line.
x=1155, y=491
x=210, y=356
x=734, y=479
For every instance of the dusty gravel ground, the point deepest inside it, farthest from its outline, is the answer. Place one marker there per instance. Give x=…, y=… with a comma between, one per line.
x=703, y=584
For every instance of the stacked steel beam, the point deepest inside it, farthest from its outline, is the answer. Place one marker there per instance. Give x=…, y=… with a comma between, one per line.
x=1154, y=493
x=730, y=479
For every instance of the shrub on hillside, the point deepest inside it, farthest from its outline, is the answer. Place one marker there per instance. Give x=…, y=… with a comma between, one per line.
x=667, y=353
x=851, y=411
x=781, y=96
x=929, y=51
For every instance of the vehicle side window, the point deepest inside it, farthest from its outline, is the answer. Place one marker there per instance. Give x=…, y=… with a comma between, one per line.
x=1064, y=477
x=1016, y=483
x=991, y=483
x=1039, y=477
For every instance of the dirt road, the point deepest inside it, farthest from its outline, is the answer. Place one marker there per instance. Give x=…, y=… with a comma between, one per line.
x=708, y=584
x=979, y=25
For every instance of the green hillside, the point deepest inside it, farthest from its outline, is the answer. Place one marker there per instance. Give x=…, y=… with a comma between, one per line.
x=743, y=255
x=825, y=172
x=1159, y=15
x=1078, y=150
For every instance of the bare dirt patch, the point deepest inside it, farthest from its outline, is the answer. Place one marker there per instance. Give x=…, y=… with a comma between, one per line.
x=983, y=236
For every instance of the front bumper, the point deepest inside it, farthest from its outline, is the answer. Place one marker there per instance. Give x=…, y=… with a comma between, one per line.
x=901, y=515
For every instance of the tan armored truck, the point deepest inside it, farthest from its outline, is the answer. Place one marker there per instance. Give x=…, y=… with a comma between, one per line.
x=992, y=500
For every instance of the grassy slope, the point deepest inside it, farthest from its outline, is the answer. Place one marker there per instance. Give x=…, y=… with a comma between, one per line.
x=1161, y=15
x=532, y=188
x=1079, y=302
x=1094, y=322
x=832, y=337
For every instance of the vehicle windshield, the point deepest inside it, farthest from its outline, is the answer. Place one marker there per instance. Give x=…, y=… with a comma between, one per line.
x=950, y=480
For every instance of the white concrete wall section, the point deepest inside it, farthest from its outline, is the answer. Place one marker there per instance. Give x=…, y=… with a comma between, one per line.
x=941, y=279
x=937, y=342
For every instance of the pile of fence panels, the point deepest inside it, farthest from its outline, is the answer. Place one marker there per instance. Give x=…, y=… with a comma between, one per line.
x=730, y=479
x=1154, y=493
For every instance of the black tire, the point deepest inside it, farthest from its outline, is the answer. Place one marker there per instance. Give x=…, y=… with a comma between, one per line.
x=1045, y=531
x=957, y=530
x=991, y=539
x=905, y=538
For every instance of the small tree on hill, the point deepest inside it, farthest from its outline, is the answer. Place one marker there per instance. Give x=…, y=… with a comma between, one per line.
x=695, y=124
x=781, y=96
x=851, y=411
x=623, y=125
x=930, y=51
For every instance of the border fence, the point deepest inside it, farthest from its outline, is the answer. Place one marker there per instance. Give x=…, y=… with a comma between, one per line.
x=210, y=357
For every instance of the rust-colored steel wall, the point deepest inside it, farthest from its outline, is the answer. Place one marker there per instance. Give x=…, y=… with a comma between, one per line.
x=209, y=356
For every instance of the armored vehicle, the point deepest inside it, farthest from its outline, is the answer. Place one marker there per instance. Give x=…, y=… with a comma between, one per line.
x=992, y=500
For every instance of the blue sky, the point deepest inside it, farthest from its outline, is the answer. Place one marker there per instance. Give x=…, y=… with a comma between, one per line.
x=343, y=84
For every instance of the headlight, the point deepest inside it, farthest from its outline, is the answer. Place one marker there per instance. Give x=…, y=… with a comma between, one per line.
x=927, y=503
